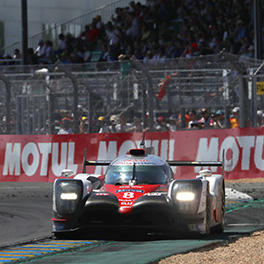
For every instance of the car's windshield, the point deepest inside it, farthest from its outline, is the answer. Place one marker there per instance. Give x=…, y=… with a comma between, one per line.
x=151, y=174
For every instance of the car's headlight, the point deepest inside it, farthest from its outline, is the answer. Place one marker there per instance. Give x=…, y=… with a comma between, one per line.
x=69, y=196
x=185, y=196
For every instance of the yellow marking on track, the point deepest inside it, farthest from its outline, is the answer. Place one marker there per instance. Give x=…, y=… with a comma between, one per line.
x=52, y=243
x=9, y=258
x=17, y=252
x=38, y=246
x=34, y=248
x=17, y=255
x=81, y=241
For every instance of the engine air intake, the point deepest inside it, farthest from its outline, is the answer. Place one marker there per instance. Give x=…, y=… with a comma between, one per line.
x=137, y=152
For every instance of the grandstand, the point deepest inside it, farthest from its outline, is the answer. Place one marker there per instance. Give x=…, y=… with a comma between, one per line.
x=176, y=28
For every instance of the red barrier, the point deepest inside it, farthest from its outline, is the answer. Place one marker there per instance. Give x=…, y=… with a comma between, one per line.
x=41, y=158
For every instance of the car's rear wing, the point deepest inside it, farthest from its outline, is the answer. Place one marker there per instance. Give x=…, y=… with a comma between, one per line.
x=170, y=162
x=93, y=162
x=195, y=163
x=200, y=163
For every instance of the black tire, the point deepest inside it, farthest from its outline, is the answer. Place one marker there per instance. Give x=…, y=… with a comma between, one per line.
x=65, y=235
x=60, y=236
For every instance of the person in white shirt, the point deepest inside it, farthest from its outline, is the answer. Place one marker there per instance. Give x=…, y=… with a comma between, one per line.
x=123, y=125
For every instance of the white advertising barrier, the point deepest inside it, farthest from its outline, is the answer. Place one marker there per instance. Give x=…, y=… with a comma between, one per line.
x=42, y=158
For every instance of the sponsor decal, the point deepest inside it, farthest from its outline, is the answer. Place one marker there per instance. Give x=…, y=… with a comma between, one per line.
x=130, y=190
x=127, y=203
x=37, y=156
x=42, y=158
x=153, y=194
x=132, y=162
x=237, y=151
x=102, y=194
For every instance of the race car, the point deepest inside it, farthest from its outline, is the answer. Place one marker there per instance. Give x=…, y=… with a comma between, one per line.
x=138, y=191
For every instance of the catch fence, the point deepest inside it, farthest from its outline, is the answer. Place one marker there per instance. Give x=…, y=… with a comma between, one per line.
x=34, y=99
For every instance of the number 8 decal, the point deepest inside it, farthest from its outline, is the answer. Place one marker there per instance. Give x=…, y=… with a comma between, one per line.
x=128, y=195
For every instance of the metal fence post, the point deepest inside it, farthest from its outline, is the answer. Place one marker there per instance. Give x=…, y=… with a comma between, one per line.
x=227, y=116
x=183, y=120
x=51, y=125
x=90, y=114
x=145, y=119
x=149, y=91
x=18, y=116
x=75, y=98
x=243, y=102
x=7, y=103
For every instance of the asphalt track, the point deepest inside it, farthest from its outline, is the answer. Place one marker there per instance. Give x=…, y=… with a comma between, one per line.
x=25, y=212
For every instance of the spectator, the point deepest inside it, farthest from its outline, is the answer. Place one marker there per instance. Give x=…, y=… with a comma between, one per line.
x=149, y=58
x=260, y=118
x=234, y=119
x=32, y=57
x=41, y=49
x=173, y=123
x=85, y=34
x=123, y=125
x=17, y=55
x=48, y=57
x=132, y=32
x=137, y=125
x=146, y=33
x=193, y=123
x=219, y=119
x=49, y=54
x=99, y=25
x=102, y=125
x=93, y=35
x=187, y=120
x=162, y=124
x=87, y=53
x=62, y=45
x=113, y=38
x=113, y=122
x=205, y=121
x=66, y=126
x=84, y=125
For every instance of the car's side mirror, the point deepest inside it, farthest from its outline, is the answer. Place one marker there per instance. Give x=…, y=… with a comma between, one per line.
x=96, y=182
x=67, y=173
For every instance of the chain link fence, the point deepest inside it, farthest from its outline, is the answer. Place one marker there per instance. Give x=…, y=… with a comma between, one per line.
x=35, y=99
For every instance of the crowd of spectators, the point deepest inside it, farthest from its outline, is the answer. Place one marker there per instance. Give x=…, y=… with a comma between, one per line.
x=154, y=32
x=194, y=119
